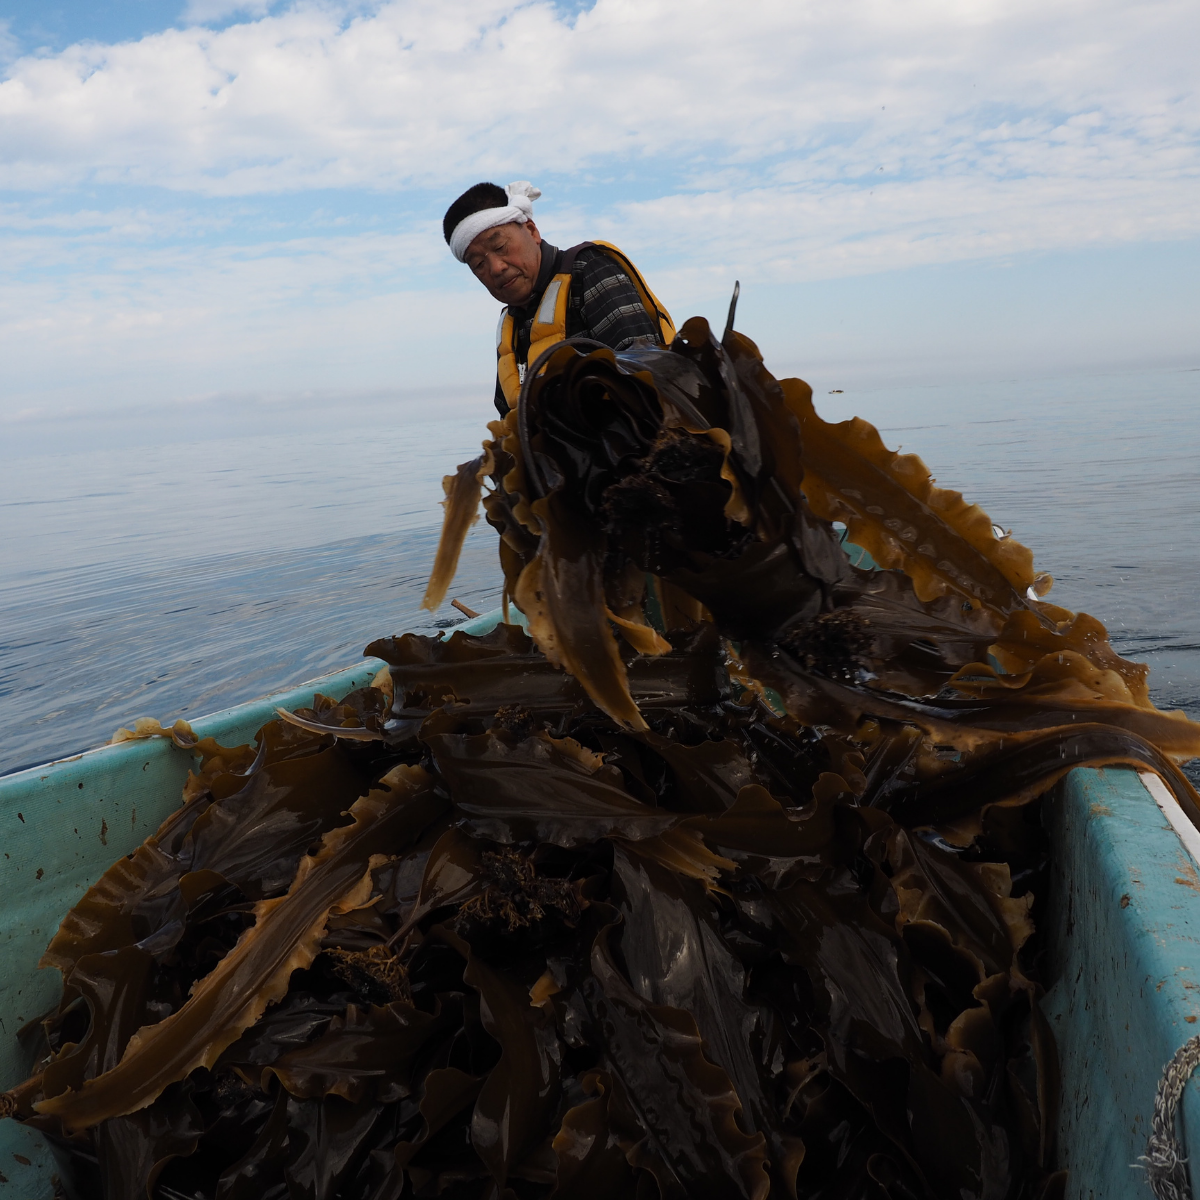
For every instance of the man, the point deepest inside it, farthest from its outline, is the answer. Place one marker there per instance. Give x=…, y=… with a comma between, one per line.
x=591, y=290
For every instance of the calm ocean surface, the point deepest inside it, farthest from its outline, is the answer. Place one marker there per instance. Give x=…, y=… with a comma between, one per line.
x=195, y=570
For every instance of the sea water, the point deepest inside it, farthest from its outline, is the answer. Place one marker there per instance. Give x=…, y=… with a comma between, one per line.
x=177, y=567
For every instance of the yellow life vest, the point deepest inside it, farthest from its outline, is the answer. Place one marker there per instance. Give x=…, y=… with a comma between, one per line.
x=550, y=320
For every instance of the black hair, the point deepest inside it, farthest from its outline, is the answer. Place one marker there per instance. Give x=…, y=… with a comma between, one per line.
x=474, y=199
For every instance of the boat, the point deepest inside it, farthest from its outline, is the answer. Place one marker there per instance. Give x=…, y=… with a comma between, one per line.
x=1122, y=926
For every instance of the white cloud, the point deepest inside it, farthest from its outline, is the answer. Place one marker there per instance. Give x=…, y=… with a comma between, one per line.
x=947, y=128
x=826, y=231
x=90, y=320
x=781, y=140
x=9, y=46
x=423, y=91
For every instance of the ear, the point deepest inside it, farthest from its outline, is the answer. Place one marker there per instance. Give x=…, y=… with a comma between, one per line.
x=533, y=232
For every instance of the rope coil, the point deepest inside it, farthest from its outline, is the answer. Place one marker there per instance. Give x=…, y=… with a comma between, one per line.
x=1164, y=1162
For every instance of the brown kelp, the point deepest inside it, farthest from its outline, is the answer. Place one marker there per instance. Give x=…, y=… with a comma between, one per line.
x=723, y=880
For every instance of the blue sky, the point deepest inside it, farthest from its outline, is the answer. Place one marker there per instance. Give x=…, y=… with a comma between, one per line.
x=54, y=26
x=202, y=201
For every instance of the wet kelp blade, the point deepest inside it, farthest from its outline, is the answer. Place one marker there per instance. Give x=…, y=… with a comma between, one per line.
x=562, y=593
x=463, y=491
x=725, y=882
x=596, y=422
x=284, y=938
x=892, y=509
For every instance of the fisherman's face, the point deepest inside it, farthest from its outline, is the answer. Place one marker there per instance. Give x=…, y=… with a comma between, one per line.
x=506, y=260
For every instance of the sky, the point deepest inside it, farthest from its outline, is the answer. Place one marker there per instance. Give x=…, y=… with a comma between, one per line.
x=221, y=208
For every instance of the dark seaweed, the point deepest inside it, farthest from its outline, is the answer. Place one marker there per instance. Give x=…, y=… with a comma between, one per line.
x=724, y=882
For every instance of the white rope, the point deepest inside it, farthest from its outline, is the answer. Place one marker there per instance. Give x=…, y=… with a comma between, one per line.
x=1165, y=1164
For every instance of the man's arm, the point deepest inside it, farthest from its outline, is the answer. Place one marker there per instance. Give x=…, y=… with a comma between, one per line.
x=609, y=307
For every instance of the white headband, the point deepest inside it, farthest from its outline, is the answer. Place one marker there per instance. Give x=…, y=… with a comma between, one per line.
x=519, y=209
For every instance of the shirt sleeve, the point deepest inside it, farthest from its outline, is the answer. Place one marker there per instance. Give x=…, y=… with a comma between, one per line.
x=610, y=309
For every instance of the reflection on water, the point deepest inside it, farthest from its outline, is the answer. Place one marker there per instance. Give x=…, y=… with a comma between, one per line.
x=178, y=578
x=82, y=655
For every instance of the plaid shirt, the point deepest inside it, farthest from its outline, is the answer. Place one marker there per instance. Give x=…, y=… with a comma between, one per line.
x=603, y=305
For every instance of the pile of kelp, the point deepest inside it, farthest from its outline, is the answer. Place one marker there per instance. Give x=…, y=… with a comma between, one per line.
x=723, y=882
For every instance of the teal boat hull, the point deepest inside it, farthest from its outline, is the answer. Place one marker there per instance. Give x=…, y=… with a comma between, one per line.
x=1122, y=925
